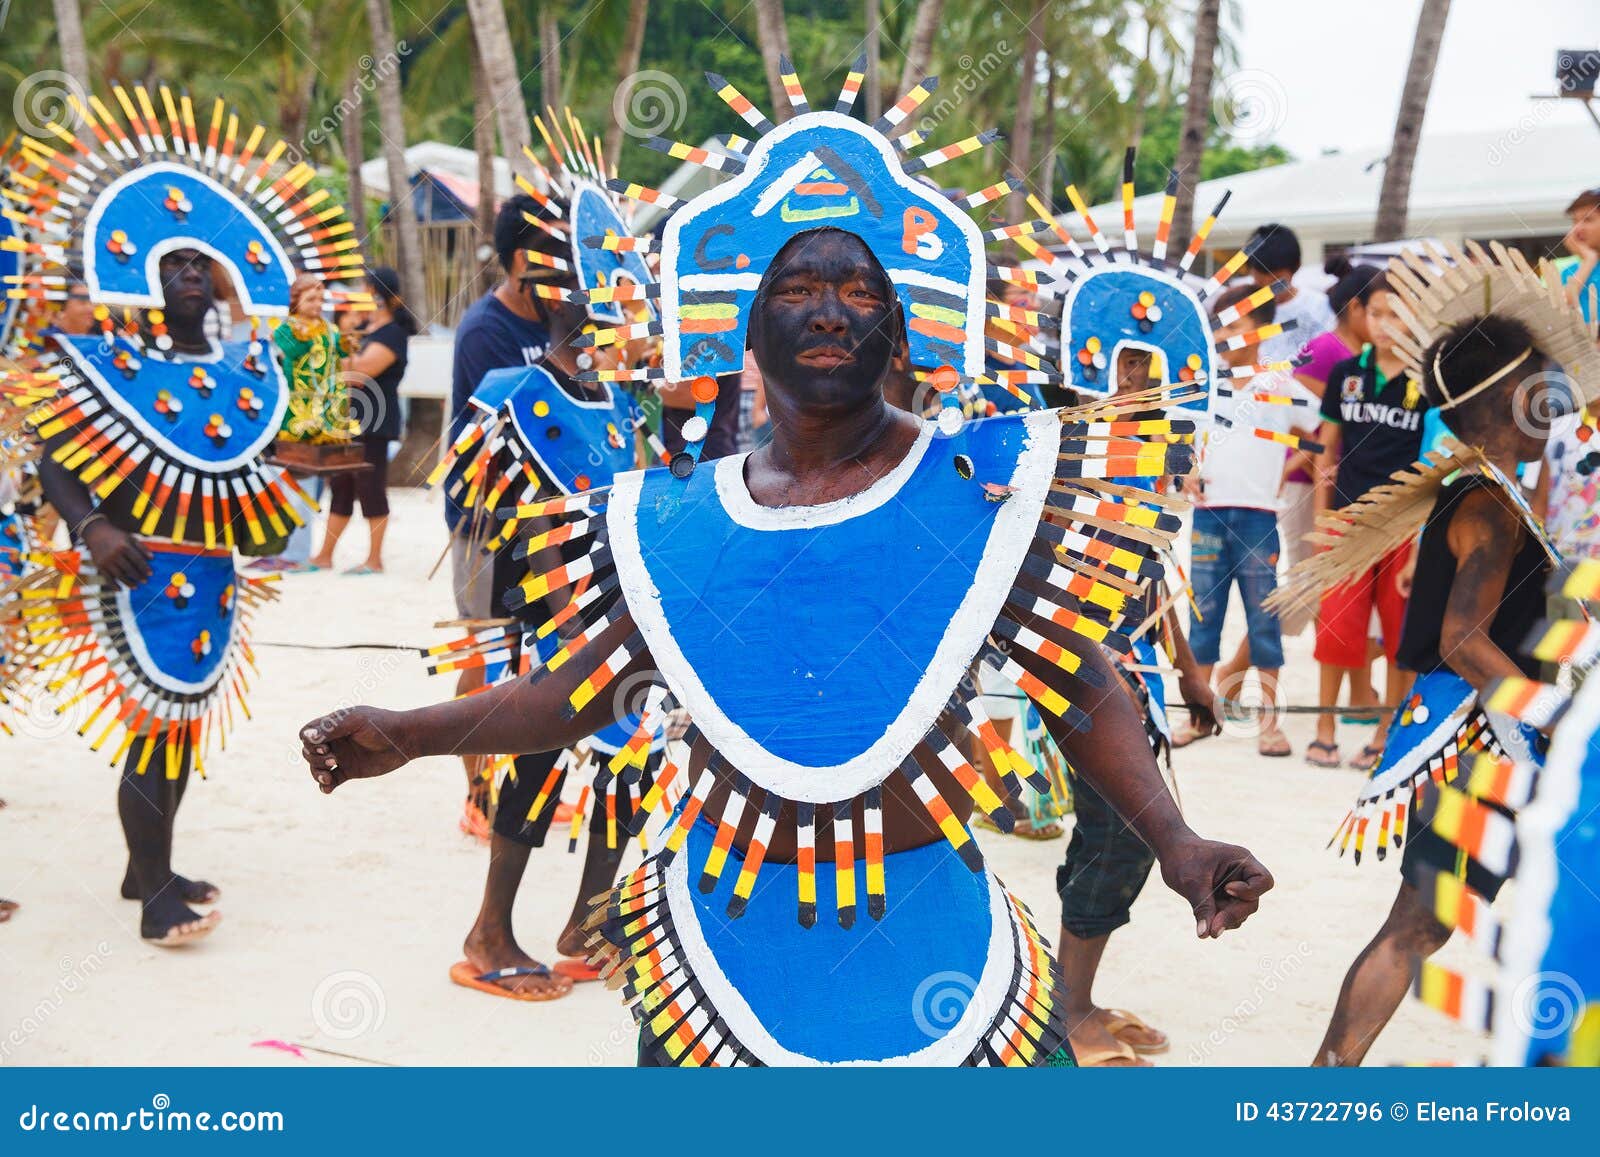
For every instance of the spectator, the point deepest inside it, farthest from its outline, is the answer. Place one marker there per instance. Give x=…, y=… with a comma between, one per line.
x=373, y=380
x=1372, y=426
x=75, y=318
x=1581, y=272
x=1274, y=255
x=1235, y=534
x=1348, y=301
x=505, y=327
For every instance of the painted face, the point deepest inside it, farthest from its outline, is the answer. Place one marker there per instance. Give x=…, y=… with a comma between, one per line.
x=825, y=325
x=186, y=286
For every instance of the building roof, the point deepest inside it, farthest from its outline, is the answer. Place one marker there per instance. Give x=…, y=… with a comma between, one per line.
x=457, y=168
x=1513, y=182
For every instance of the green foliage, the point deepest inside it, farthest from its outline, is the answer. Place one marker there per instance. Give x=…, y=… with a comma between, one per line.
x=1120, y=71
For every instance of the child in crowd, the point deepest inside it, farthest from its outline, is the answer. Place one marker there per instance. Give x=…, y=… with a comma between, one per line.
x=1372, y=416
x=1235, y=535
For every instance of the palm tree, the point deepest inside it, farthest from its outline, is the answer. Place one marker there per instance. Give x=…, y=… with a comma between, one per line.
x=1196, y=121
x=493, y=34
x=1027, y=98
x=919, y=52
x=350, y=141
x=74, y=50
x=872, y=81
x=772, y=37
x=392, y=127
x=1395, y=197
x=483, y=145
x=627, y=65
x=549, y=55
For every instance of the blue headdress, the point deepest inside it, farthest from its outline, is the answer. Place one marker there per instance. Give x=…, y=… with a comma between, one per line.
x=104, y=200
x=820, y=168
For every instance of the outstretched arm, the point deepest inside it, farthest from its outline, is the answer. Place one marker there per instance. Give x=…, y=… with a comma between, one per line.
x=518, y=718
x=1222, y=882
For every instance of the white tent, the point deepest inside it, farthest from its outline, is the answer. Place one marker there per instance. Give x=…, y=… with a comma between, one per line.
x=437, y=157
x=1492, y=184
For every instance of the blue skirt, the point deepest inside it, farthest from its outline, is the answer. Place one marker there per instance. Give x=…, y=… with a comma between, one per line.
x=953, y=974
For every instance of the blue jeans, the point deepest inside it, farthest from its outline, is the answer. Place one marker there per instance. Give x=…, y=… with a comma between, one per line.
x=1235, y=544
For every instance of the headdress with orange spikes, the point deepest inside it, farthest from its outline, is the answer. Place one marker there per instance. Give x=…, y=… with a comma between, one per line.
x=1118, y=298
x=104, y=201
x=590, y=226
x=107, y=200
x=820, y=167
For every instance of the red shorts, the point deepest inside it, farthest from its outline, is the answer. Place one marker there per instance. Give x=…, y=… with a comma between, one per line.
x=1346, y=612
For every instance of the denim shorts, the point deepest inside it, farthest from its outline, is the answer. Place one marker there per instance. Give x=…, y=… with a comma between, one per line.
x=1235, y=544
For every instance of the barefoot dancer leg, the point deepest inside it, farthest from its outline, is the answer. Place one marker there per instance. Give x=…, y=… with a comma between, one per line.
x=148, y=805
x=492, y=943
x=1379, y=979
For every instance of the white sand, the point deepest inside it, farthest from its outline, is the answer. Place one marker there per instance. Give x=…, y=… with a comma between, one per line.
x=343, y=914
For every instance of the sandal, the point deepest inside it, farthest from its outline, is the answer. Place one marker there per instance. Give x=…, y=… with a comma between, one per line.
x=1273, y=744
x=1024, y=828
x=1331, y=759
x=474, y=822
x=1187, y=733
x=1134, y=1033
x=576, y=969
x=467, y=976
x=1120, y=1057
x=1371, y=755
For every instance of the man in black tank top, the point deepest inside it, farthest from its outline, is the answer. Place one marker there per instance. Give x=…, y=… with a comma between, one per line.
x=1477, y=591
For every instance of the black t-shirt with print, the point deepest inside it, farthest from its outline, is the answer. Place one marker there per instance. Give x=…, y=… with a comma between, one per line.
x=1380, y=424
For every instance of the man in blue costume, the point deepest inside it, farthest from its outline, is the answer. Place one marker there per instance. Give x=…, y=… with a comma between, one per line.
x=825, y=324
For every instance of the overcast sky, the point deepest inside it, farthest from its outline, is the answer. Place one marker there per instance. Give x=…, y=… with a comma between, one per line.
x=1317, y=75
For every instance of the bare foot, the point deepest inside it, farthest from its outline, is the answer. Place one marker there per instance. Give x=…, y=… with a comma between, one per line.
x=6, y=908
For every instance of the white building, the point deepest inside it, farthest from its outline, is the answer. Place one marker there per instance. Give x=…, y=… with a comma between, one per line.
x=1509, y=185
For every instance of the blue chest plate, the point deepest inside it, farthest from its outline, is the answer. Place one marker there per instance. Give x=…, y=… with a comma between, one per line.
x=179, y=622
x=815, y=646
x=577, y=445
x=213, y=415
